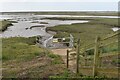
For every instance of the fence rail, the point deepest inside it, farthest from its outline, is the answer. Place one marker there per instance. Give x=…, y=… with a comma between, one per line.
x=96, y=46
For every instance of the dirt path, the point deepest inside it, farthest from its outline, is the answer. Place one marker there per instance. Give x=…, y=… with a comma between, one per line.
x=63, y=53
x=22, y=68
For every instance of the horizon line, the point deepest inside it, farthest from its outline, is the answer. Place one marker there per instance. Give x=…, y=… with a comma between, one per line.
x=66, y=11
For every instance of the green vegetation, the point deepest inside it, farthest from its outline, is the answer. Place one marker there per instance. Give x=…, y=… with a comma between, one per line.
x=116, y=61
x=64, y=76
x=61, y=35
x=69, y=18
x=105, y=49
x=22, y=58
x=86, y=31
x=5, y=23
x=104, y=21
x=57, y=59
x=113, y=47
x=92, y=13
x=19, y=48
x=67, y=75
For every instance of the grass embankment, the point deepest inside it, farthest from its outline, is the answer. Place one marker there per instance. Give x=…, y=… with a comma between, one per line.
x=5, y=24
x=23, y=59
x=87, y=31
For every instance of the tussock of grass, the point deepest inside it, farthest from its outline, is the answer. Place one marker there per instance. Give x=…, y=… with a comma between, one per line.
x=4, y=24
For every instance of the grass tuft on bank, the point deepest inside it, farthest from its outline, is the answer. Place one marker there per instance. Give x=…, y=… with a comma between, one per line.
x=4, y=24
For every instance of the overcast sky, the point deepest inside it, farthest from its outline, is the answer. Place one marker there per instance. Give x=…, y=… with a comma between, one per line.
x=58, y=5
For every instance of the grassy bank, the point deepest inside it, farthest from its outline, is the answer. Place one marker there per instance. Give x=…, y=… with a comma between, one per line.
x=5, y=24
x=83, y=13
x=87, y=31
x=93, y=13
x=104, y=21
x=22, y=58
x=14, y=47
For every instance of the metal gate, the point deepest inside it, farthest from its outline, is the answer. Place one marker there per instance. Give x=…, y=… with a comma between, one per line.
x=51, y=42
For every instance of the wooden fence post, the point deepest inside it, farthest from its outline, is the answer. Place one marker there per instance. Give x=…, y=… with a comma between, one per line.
x=96, y=57
x=67, y=59
x=78, y=52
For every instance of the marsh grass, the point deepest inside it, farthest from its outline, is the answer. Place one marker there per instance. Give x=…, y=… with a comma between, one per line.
x=88, y=31
x=19, y=49
x=5, y=24
x=89, y=13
